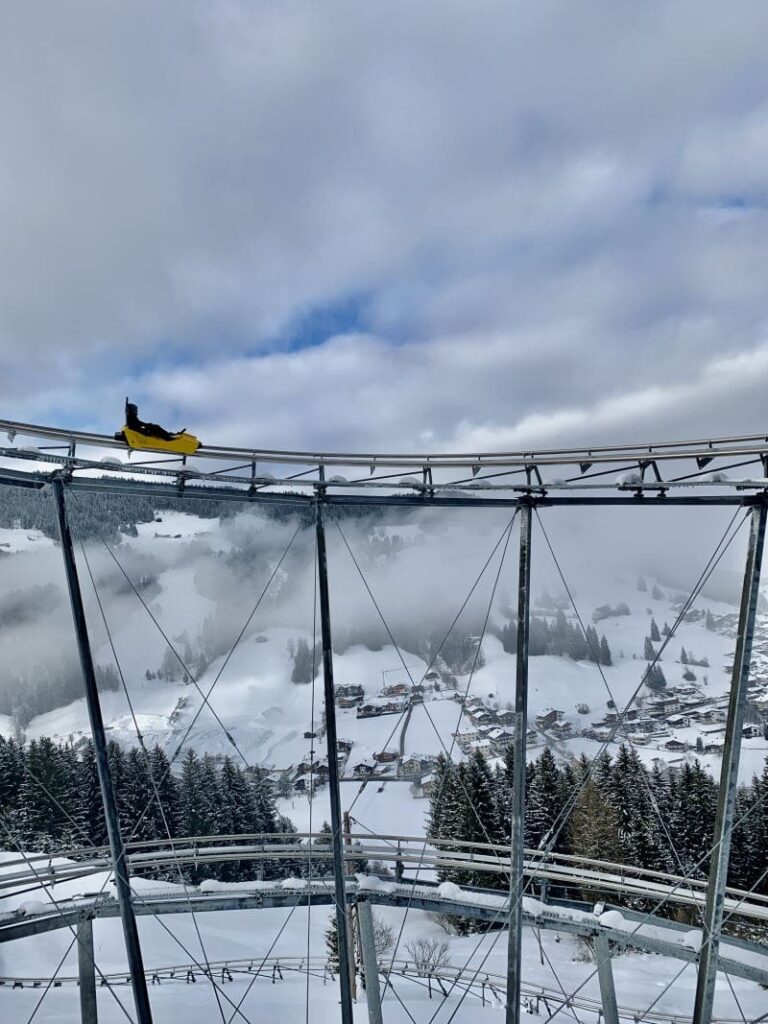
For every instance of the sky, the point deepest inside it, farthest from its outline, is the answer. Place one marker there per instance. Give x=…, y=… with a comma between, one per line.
x=436, y=225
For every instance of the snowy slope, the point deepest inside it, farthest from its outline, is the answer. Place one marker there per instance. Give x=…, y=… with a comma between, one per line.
x=268, y=716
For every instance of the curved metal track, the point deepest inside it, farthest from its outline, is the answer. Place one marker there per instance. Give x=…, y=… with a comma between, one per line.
x=688, y=463
x=623, y=928
x=408, y=851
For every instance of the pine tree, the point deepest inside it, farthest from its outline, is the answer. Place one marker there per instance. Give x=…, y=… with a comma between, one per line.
x=655, y=635
x=481, y=823
x=683, y=656
x=694, y=820
x=332, y=942
x=642, y=586
x=593, y=644
x=302, y=663
x=648, y=652
x=605, y=652
x=595, y=826
x=139, y=799
x=544, y=802
x=90, y=797
x=657, y=593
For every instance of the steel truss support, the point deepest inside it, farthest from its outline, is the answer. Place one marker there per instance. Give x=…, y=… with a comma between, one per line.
x=86, y=970
x=515, y=919
x=370, y=964
x=119, y=862
x=713, y=912
x=345, y=965
x=605, y=977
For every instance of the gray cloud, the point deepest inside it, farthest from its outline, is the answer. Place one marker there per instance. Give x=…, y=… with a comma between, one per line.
x=557, y=213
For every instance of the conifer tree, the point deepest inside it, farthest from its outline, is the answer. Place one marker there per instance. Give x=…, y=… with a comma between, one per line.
x=654, y=634
x=648, y=652
x=332, y=942
x=544, y=802
x=605, y=652
x=595, y=826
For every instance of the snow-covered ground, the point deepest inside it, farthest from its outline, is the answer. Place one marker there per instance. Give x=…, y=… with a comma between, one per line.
x=550, y=960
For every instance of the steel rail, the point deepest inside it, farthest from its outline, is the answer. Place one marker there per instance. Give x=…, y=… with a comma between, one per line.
x=736, y=445
x=623, y=928
x=635, y=883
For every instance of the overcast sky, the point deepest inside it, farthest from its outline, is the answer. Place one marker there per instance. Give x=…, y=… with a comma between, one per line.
x=445, y=223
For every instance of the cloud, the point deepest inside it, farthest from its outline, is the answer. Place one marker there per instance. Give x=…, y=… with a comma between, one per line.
x=535, y=201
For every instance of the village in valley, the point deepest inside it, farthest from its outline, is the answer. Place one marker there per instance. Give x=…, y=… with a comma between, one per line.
x=668, y=722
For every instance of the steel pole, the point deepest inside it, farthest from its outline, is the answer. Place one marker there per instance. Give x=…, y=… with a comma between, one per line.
x=729, y=774
x=120, y=866
x=370, y=964
x=605, y=977
x=333, y=770
x=515, y=919
x=86, y=971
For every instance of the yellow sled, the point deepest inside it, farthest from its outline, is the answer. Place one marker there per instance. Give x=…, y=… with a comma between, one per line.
x=182, y=444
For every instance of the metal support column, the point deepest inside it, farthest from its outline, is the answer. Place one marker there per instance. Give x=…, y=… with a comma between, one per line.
x=86, y=971
x=605, y=977
x=333, y=771
x=718, y=873
x=120, y=866
x=515, y=919
x=370, y=964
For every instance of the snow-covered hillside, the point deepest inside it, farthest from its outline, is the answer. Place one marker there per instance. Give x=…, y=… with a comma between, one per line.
x=189, y=569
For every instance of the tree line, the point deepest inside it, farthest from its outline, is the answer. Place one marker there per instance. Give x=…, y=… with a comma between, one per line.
x=662, y=819
x=559, y=637
x=50, y=800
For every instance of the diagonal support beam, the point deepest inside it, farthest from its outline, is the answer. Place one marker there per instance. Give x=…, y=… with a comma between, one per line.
x=119, y=860
x=729, y=775
x=516, y=880
x=345, y=965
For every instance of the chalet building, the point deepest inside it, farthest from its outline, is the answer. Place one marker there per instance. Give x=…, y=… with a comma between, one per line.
x=348, y=695
x=363, y=768
x=385, y=707
x=562, y=730
x=429, y=785
x=396, y=690
x=385, y=756
x=348, y=702
x=505, y=717
x=548, y=720
x=679, y=721
x=713, y=715
x=675, y=745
